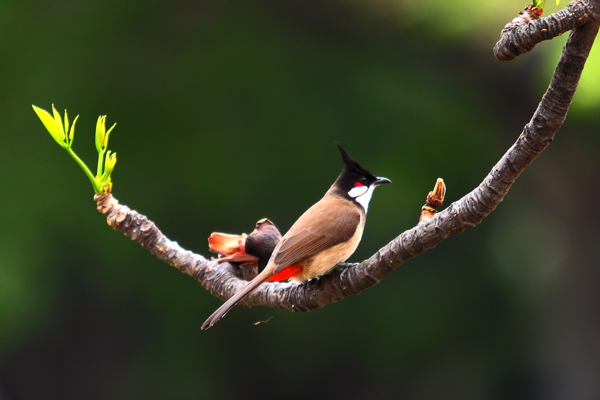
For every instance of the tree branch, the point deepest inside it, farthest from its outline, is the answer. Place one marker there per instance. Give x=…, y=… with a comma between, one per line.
x=522, y=34
x=224, y=280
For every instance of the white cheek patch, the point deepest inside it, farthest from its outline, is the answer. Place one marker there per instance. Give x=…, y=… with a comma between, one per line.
x=357, y=191
x=363, y=196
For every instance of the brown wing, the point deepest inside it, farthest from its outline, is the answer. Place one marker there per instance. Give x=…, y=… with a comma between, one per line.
x=338, y=222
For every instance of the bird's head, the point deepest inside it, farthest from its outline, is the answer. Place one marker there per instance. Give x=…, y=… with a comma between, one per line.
x=356, y=182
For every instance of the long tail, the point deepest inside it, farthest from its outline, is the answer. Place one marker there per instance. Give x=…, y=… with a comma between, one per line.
x=228, y=305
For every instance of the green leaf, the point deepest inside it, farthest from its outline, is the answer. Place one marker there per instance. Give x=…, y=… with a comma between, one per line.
x=66, y=126
x=59, y=124
x=111, y=160
x=105, y=142
x=49, y=123
x=100, y=133
x=72, y=130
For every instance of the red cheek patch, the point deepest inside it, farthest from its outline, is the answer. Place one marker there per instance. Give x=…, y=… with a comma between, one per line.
x=358, y=184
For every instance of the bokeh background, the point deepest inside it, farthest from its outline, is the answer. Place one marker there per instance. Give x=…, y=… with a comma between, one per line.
x=227, y=113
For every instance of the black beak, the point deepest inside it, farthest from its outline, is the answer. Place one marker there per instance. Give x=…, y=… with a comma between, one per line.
x=380, y=181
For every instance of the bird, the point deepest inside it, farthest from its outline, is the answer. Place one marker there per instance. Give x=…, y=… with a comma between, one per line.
x=262, y=241
x=253, y=250
x=325, y=235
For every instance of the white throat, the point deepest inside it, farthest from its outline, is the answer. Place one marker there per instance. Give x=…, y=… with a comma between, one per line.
x=362, y=194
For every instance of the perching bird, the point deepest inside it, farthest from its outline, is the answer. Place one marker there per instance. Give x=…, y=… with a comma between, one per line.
x=325, y=235
x=244, y=250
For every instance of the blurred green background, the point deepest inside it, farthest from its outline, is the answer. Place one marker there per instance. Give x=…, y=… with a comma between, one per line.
x=227, y=113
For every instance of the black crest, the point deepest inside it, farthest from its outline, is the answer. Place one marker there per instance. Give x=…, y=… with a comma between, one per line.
x=352, y=166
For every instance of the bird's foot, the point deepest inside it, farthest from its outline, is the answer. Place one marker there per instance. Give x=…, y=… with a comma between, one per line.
x=346, y=265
